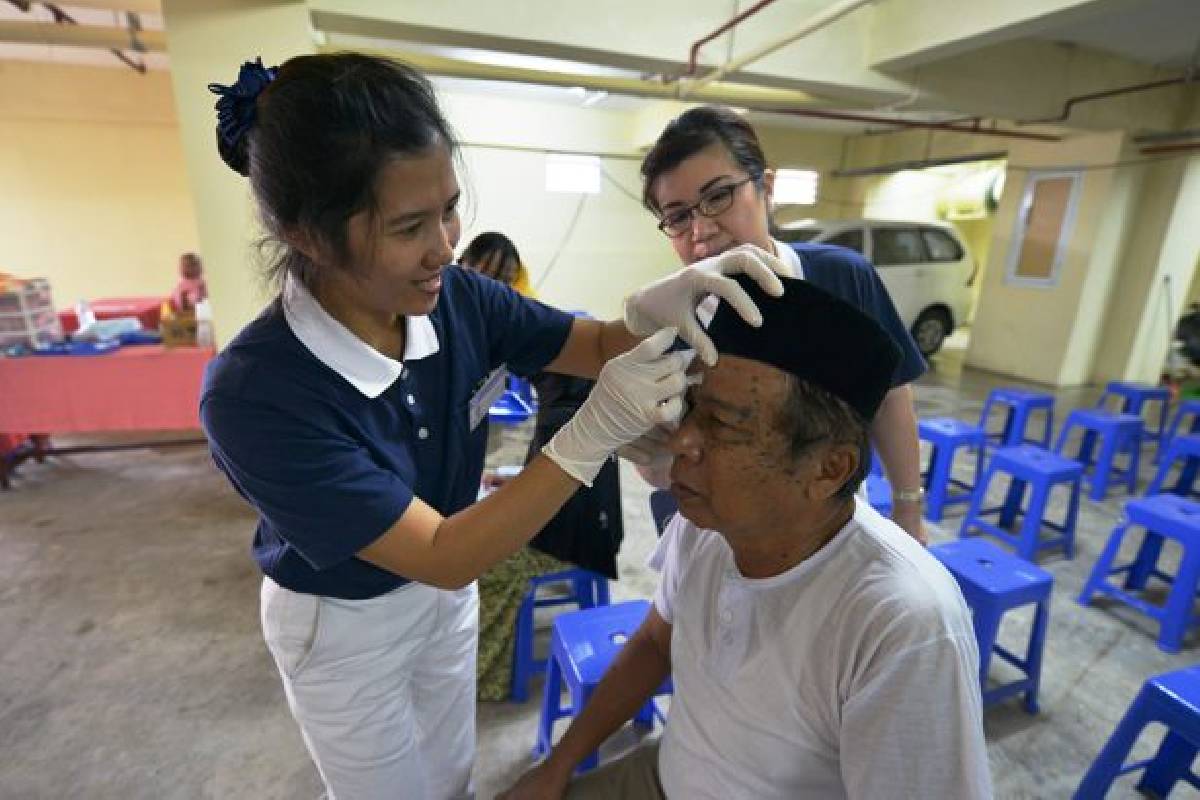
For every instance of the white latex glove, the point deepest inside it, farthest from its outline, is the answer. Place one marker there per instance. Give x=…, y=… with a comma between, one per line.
x=672, y=301
x=635, y=391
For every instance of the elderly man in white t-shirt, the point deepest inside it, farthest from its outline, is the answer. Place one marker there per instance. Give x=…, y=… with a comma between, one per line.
x=816, y=649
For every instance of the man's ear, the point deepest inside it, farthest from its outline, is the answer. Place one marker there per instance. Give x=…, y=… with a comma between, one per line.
x=303, y=240
x=835, y=464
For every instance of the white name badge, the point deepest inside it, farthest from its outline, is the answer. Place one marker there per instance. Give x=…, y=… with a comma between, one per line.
x=488, y=393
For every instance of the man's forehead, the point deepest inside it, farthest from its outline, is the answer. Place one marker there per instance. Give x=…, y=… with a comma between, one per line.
x=740, y=381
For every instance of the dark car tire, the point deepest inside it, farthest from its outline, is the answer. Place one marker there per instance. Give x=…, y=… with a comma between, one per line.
x=931, y=329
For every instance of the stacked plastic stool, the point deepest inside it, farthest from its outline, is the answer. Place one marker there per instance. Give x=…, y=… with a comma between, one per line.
x=1041, y=472
x=583, y=646
x=1171, y=699
x=1019, y=407
x=993, y=583
x=587, y=590
x=1137, y=399
x=948, y=436
x=1164, y=516
x=1115, y=434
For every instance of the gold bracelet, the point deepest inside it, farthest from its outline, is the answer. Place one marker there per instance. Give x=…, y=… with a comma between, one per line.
x=908, y=495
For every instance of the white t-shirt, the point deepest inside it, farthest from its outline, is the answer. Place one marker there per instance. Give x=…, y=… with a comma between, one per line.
x=854, y=674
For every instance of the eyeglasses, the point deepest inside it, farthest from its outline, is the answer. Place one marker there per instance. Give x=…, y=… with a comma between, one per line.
x=713, y=204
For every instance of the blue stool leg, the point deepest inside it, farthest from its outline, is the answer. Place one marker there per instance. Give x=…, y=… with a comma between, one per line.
x=1104, y=564
x=522, y=669
x=1171, y=763
x=1020, y=421
x=1160, y=477
x=602, y=594
x=1107, y=766
x=976, y=504
x=1012, y=503
x=1104, y=466
x=1145, y=562
x=1045, y=441
x=1135, y=460
x=582, y=587
x=551, y=707
x=1006, y=431
x=1177, y=615
x=1072, y=518
x=987, y=627
x=1031, y=527
x=939, y=481
x=1033, y=659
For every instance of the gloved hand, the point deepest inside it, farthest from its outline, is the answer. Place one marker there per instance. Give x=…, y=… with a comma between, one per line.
x=672, y=301
x=635, y=391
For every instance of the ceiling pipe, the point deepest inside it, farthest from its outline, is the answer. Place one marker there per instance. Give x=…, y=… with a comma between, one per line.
x=694, y=51
x=975, y=129
x=821, y=20
x=1167, y=136
x=1071, y=102
x=1170, y=148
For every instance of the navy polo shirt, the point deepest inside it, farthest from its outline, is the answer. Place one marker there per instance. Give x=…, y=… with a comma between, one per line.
x=330, y=465
x=847, y=274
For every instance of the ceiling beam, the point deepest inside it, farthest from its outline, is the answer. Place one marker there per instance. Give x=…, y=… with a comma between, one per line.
x=139, y=6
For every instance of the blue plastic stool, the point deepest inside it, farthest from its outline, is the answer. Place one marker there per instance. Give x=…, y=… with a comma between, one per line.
x=588, y=589
x=879, y=493
x=1185, y=450
x=993, y=583
x=1118, y=433
x=1021, y=405
x=1163, y=516
x=1042, y=471
x=948, y=436
x=1187, y=416
x=510, y=409
x=662, y=508
x=1172, y=699
x=1136, y=398
x=583, y=646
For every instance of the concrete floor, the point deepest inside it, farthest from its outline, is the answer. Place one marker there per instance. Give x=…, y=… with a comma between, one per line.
x=131, y=664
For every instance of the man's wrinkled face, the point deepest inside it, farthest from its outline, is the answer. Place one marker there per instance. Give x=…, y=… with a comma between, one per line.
x=733, y=467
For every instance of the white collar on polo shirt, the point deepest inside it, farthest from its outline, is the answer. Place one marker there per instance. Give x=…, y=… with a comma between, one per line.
x=788, y=255
x=361, y=365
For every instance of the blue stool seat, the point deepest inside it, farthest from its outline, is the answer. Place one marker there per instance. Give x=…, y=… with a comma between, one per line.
x=1184, y=450
x=948, y=436
x=1163, y=516
x=993, y=583
x=1019, y=406
x=1136, y=399
x=587, y=590
x=1171, y=699
x=1117, y=433
x=510, y=409
x=583, y=646
x=1042, y=471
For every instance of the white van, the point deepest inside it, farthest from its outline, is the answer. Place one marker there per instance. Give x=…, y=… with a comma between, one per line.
x=924, y=265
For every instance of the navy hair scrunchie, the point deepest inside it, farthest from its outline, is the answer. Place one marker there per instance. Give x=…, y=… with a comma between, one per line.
x=236, y=104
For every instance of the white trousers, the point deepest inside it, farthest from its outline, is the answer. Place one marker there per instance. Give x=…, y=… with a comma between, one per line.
x=383, y=689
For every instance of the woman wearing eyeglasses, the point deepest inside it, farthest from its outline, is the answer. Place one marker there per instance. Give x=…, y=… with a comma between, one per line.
x=707, y=181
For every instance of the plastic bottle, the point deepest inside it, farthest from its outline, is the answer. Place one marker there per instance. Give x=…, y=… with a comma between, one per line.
x=204, y=324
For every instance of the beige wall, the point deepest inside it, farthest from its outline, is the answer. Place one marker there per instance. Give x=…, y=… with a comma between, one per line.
x=93, y=193
x=1025, y=331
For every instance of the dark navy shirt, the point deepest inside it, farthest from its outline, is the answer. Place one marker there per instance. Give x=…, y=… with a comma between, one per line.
x=848, y=275
x=330, y=468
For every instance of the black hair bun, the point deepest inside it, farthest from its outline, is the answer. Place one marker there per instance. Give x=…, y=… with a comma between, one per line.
x=236, y=155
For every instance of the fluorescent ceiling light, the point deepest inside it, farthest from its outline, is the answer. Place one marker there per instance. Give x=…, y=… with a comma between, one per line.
x=795, y=187
x=573, y=174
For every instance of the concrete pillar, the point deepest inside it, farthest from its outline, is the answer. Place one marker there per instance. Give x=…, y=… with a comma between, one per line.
x=207, y=41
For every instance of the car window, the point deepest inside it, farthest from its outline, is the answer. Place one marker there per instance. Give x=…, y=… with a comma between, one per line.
x=942, y=246
x=798, y=234
x=852, y=239
x=897, y=246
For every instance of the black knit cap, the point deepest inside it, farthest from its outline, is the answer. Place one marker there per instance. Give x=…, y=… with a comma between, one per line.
x=815, y=336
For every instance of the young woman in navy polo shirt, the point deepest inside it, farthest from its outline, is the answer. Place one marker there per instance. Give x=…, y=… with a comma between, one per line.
x=707, y=181
x=350, y=413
